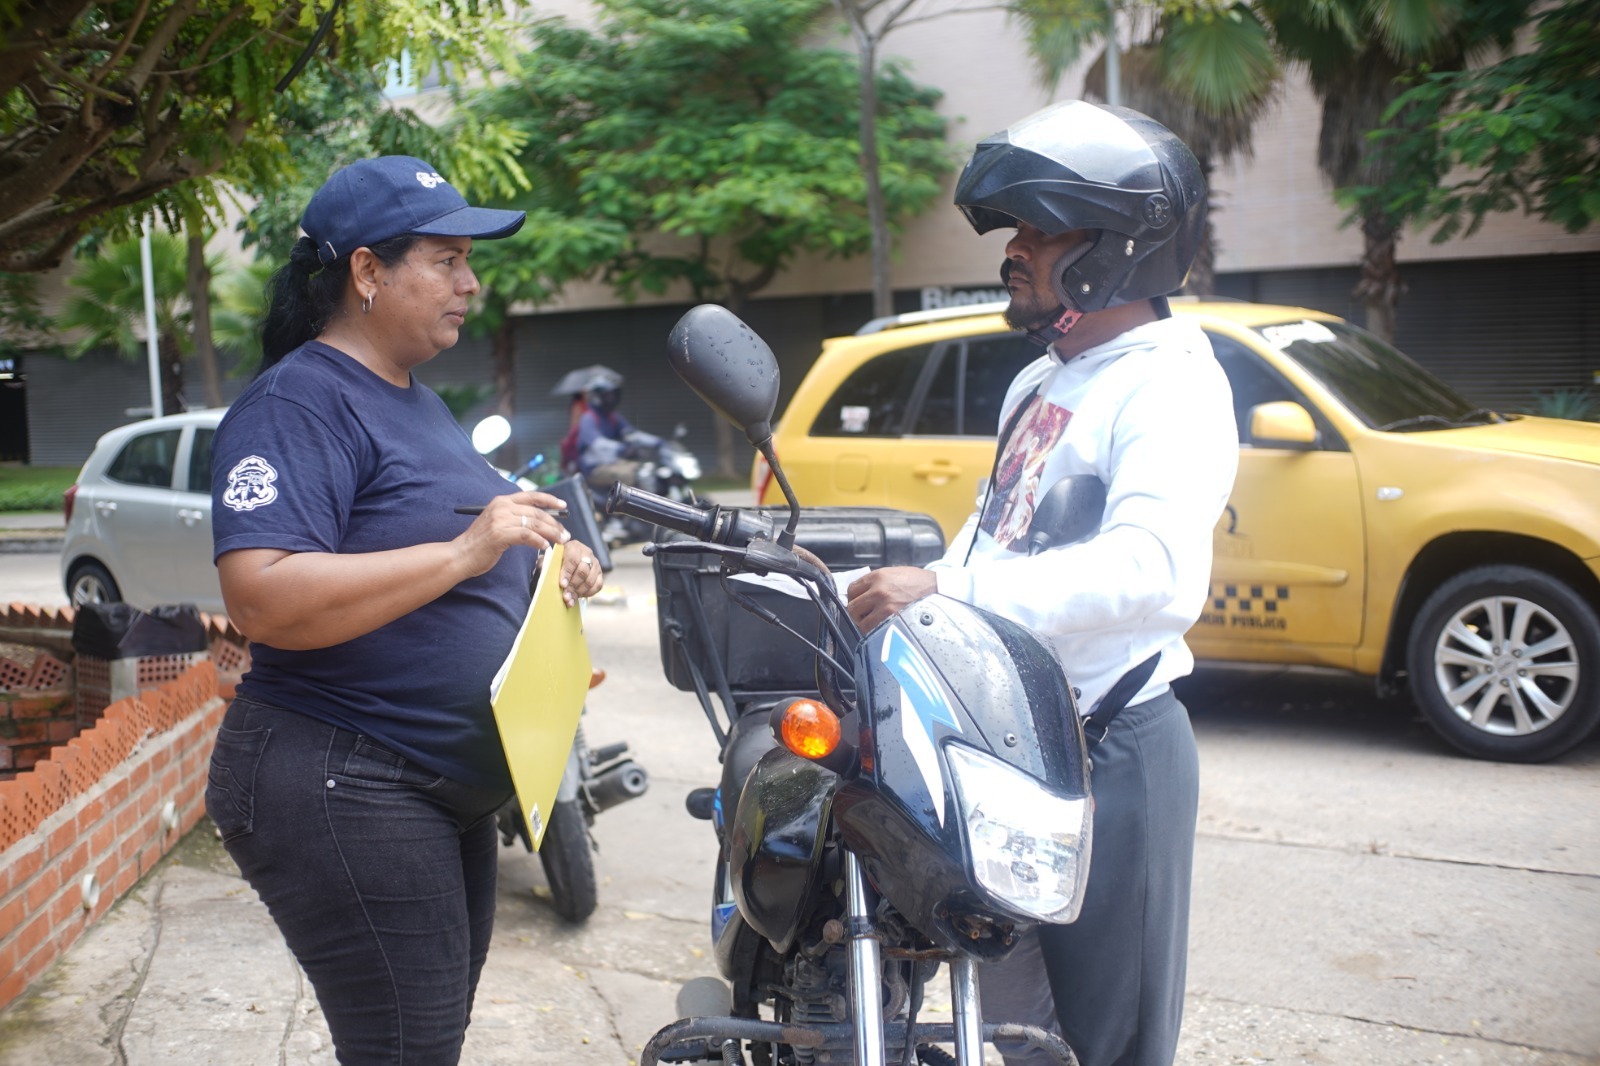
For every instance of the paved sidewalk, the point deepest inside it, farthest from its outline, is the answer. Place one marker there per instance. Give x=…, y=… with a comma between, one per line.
x=189, y=968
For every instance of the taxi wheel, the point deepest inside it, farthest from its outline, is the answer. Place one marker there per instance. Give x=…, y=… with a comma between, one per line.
x=1504, y=661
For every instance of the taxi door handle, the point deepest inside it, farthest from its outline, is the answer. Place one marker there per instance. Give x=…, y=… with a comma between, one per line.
x=189, y=515
x=105, y=506
x=938, y=472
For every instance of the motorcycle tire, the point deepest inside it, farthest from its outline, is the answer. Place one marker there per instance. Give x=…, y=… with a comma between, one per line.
x=568, y=861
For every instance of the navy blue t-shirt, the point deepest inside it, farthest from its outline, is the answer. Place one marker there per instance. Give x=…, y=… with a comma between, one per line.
x=320, y=454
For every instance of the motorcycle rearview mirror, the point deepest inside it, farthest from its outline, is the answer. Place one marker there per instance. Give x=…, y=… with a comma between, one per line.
x=1071, y=511
x=734, y=371
x=728, y=366
x=490, y=433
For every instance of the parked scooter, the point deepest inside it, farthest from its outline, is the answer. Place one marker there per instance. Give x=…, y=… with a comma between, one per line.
x=595, y=779
x=666, y=468
x=926, y=802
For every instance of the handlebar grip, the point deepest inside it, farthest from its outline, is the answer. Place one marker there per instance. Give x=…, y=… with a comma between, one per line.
x=660, y=511
x=715, y=524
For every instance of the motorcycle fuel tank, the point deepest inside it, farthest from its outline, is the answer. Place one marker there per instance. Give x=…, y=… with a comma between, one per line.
x=775, y=845
x=944, y=673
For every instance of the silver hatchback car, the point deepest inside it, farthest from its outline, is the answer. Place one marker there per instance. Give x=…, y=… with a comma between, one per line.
x=139, y=517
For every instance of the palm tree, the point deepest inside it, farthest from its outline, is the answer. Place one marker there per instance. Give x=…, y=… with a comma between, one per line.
x=107, y=308
x=1355, y=53
x=1206, y=74
x=239, y=310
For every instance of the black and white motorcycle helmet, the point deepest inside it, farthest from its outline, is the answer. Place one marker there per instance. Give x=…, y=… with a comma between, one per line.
x=1081, y=166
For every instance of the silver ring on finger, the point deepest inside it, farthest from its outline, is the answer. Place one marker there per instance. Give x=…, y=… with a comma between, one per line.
x=524, y=520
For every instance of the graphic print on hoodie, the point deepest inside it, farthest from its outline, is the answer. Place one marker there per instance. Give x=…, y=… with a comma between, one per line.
x=1016, y=482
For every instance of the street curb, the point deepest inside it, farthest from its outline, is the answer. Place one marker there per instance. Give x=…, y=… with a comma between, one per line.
x=30, y=543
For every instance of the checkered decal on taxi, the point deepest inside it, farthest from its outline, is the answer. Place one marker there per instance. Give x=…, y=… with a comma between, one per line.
x=1249, y=598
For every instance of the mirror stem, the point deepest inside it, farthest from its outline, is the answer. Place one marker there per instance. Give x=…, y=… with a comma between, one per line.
x=786, y=536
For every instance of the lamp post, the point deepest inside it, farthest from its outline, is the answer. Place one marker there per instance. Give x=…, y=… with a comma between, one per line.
x=152, y=342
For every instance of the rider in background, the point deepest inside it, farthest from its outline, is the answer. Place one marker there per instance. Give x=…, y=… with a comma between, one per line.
x=608, y=445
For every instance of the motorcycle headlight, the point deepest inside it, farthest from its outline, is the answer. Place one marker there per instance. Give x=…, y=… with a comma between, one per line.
x=689, y=467
x=1029, y=846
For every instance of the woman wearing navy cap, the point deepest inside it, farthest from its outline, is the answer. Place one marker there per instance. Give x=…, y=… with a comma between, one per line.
x=356, y=775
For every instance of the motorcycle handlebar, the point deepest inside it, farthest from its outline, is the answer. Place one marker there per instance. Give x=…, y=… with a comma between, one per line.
x=716, y=525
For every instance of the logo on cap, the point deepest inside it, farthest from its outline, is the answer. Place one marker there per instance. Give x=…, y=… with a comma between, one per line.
x=429, y=181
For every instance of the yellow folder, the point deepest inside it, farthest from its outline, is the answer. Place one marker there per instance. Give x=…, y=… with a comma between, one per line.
x=538, y=695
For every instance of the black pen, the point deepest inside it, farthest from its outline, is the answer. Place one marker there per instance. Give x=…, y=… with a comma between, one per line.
x=557, y=511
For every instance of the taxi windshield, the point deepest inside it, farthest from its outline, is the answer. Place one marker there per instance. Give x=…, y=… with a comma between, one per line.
x=1382, y=387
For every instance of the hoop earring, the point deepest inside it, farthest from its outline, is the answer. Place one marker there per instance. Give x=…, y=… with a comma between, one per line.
x=366, y=302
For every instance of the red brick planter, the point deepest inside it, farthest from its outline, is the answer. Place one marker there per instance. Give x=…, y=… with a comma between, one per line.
x=84, y=820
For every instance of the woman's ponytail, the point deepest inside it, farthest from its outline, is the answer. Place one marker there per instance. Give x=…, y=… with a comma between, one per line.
x=292, y=313
x=304, y=295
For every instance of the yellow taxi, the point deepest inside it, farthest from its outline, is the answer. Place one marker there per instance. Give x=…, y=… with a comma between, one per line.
x=1380, y=523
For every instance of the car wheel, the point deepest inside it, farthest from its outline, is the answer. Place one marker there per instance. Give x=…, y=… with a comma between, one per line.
x=91, y=583
x=1505, y=663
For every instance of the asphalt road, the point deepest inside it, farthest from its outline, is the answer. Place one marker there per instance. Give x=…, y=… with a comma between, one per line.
x=1362, y=894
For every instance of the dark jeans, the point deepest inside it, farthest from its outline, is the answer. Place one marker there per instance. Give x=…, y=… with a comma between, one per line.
x=1113, y=981
x=380, y=874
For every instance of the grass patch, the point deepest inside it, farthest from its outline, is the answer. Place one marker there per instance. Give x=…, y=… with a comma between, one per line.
x=34, y=488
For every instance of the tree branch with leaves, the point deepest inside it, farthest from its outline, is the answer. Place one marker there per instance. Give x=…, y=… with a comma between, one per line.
x=109, y=107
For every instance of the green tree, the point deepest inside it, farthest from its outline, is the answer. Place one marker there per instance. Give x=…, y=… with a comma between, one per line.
x=239, y=310
x=111, y=107
x=106, y=307
x=1516, y=135
x=727, y=149
x=529, y=267
x=1356, y=54
x=1206, y=71
x=24, y=326
x=870, y=22
x=1198, y=61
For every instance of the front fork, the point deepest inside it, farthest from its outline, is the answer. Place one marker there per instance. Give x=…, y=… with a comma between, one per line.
x=866, y=967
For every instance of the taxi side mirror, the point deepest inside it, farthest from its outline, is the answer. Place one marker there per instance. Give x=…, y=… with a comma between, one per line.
x=1283, y=424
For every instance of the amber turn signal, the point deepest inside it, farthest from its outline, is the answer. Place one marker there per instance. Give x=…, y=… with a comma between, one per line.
x=810, y=729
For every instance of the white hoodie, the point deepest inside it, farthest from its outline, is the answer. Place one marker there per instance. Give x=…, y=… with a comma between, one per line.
x=1151, y=414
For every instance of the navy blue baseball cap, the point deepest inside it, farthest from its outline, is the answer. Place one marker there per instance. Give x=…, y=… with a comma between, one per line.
x=372, y=200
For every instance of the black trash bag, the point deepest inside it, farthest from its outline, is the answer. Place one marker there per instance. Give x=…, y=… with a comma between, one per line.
x=123, y=631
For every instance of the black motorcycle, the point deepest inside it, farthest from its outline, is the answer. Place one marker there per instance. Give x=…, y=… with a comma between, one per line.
x=923, y=802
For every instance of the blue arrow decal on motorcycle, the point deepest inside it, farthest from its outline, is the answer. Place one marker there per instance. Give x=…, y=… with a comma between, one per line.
x=922, y=703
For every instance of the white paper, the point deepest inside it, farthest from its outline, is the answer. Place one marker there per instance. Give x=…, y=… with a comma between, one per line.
x=792, y=587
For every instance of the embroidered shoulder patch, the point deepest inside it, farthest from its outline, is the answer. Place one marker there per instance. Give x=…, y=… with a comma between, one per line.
x=250, y=484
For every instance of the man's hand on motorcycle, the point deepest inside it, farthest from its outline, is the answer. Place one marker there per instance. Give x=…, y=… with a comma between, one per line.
x=580, y=573
x=881, y=593
x=516, y=518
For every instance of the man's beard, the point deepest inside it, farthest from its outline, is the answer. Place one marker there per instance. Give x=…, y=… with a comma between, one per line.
x=1025, y=311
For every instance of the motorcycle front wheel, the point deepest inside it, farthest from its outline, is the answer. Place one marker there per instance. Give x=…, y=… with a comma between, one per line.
x=568, y=862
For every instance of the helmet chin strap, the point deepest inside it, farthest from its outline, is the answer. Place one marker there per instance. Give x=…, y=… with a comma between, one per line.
x=1058, y=324
x=1053, y=326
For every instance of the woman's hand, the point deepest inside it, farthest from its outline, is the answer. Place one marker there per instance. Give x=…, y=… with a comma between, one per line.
x=518, y=518
x=580, y=573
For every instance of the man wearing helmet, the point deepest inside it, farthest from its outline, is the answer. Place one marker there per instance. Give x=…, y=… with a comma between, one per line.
x=1108, y=208
x=607, y=443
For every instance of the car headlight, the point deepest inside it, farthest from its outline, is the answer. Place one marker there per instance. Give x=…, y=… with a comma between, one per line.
x=689, y=467
x=1029, y=846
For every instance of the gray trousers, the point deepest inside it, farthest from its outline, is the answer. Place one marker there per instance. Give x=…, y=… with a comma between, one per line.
x=1112, y=983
